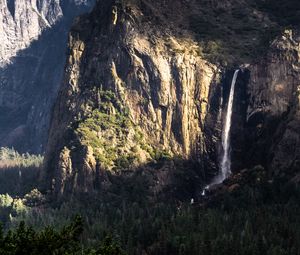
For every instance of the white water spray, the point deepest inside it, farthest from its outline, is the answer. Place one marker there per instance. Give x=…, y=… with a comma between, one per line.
x=225, y=164
x=226, y=160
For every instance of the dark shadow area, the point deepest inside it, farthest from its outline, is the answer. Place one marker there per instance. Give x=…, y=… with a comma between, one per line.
x=162, y=180
x=239, y=144
x=18, y=172
x=213, y=131
x=11, y=7
x=287, y=13
x=241, y=32
x=127, y=211
x=18, y=180
x=29, y=86
x=214, y=123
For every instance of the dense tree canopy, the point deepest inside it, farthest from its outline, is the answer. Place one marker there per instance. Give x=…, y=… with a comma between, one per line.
x=25, y=240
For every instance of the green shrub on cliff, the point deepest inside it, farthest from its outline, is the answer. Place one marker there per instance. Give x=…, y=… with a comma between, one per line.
x=117, y=143
x=106, y=130
x=124, y=161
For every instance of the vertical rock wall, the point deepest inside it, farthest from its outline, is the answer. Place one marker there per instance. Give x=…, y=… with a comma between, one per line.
x=33, y=38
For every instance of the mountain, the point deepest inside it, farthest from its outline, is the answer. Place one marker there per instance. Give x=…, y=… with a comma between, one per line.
x=271, y=125
x=140, y=83
x=32, y=55
x=149, y=81
x=170, y=126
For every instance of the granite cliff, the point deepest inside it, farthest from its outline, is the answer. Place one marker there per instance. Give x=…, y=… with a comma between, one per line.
x=142, y=86
x=271, y=124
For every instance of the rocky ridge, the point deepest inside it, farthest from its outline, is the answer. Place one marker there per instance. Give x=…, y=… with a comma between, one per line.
x=151, y=89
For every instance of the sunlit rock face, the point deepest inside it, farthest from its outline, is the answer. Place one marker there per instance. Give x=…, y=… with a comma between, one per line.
x=122, y=67
x=23, y=21
x=33, y=37
x=137, y=86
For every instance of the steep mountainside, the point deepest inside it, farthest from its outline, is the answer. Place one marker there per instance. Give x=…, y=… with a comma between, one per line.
x=33, y=38
x=272, y=123
x=149, y=81
x=135, y=94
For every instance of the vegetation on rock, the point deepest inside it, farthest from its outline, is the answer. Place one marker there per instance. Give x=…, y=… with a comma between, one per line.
x=117, y=142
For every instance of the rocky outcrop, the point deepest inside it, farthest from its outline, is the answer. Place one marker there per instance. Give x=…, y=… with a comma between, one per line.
x=33, y=38
x=136, y=91
x=270, y=129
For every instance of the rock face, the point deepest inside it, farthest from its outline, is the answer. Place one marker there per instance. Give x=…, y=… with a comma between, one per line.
x=135, y=91
x=272, y=120
x=24, y=21
x=33, y=38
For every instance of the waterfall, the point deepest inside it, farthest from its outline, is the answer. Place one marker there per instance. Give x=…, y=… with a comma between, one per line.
x=226, y=160
x=225, y=163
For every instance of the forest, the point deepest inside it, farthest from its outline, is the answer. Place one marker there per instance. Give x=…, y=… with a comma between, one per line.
x=259, y=217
